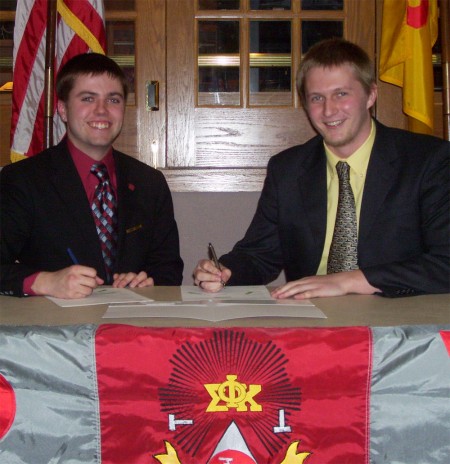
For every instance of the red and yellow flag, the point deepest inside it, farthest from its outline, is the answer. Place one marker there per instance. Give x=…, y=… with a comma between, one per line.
x=409, y=31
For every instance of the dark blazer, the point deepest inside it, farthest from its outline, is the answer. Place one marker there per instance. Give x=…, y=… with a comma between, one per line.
x=45, y=211
x=404, y=232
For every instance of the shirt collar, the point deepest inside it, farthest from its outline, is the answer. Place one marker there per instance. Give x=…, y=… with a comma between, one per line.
x=359, y=160
x=84, y=162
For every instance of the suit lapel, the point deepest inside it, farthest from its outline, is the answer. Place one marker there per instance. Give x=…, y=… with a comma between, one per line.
x=125, y=198
x=313, y=188
x=67, y=183
x=381, y=174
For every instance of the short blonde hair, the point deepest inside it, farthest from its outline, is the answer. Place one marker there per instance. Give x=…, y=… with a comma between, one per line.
x=332, y=53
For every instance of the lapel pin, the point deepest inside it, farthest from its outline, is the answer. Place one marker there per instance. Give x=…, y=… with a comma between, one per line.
x=133, y=229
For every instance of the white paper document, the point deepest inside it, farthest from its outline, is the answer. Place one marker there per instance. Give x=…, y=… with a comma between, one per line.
x=247, y=292
x=215, y=310
x=102, y=295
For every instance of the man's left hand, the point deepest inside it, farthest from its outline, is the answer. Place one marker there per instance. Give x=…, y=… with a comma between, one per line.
x=132, y=280
x=341, y=283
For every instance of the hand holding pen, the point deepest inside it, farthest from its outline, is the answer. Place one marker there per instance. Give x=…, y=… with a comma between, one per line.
x=75, y=281
x=210, y=275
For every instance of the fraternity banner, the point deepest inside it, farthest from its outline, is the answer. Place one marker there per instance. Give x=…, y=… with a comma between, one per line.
x=123, y=394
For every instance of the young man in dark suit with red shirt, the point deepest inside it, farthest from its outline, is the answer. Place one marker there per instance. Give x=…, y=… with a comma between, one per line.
x=49, y=239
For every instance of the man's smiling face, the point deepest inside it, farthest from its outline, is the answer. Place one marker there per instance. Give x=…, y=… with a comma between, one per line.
x=339, y=107
x=94, y=113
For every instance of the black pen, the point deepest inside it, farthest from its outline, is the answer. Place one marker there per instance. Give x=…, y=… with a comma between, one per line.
x=72, y=256
x=215, y=260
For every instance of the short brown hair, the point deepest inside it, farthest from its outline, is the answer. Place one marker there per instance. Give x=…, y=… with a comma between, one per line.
x=336, y=52
x=87, y=64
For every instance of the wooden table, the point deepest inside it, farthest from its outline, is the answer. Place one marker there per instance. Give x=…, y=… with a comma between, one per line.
x=352, y=310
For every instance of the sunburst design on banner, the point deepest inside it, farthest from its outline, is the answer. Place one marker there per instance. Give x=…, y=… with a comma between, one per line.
x=229, y=356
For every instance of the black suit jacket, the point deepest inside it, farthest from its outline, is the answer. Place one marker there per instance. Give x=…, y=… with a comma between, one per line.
x=45, y=211
x=404, y=232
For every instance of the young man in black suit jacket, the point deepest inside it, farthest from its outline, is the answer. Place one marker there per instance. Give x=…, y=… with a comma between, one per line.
x=49, y=240
x=400, y=183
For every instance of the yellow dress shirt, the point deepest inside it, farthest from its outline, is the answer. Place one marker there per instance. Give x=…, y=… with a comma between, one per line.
x=358, y=162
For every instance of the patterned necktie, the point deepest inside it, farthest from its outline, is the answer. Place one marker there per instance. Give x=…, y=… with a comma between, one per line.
x=343, y=254
x=104, y=208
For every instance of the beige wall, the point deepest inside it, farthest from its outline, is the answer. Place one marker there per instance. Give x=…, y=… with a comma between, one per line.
x=219, y=218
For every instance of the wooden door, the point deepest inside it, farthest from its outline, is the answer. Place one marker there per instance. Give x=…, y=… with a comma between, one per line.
x=136, y=40
x=224, y=144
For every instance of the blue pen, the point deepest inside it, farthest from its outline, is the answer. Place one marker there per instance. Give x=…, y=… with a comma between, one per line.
x=72, y=256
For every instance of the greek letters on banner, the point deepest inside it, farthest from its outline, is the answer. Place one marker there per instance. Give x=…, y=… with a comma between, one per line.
x=123, y=394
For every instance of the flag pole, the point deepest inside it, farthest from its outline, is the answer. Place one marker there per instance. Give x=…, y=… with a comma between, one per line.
x=49, y=73
x=445, y=62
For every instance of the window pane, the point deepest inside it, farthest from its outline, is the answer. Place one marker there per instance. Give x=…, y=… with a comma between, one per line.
x=270, y=63
x=218, y=5
x=121, y=48
x=270, y=37
x=9, y=5
x=322, y=4
x=218, y=86
x=270, y=4
x=218, y=63
x=6, y=51
x=120, y=37
x=120, y=40
x=119, y=5
x=315, y=31
x=218, y=37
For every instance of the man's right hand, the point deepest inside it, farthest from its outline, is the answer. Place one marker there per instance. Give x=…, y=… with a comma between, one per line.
x=209, y=278
x=71, y=282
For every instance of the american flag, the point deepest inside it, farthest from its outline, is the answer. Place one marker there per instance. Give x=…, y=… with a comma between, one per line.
x=80, y=28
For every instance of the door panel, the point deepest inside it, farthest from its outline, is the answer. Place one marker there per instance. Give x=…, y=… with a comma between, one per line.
x=142, y=22
x=222, y=144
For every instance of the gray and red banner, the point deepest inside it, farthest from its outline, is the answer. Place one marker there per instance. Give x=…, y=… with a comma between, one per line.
x=123, y=394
